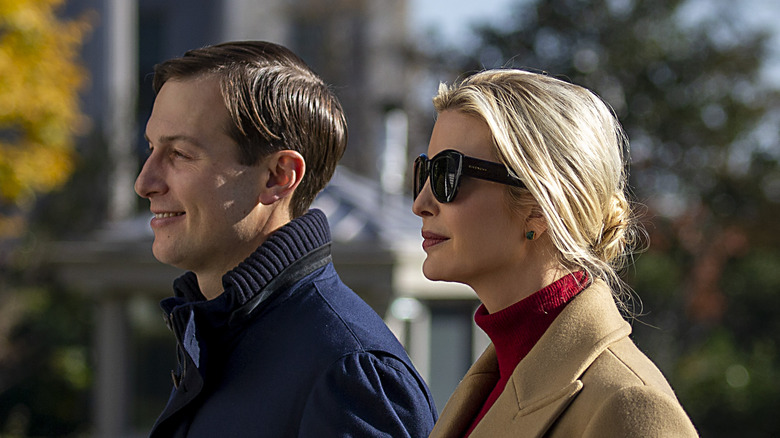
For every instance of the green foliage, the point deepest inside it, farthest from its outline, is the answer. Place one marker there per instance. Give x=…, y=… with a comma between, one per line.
x=731, y=388
x=44, y=361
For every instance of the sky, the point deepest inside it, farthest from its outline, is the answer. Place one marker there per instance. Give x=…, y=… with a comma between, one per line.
x=452, y=19
x=766, y=13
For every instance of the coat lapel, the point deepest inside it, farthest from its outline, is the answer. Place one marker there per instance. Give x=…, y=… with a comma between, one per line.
x=467, y=400
x=546, y=381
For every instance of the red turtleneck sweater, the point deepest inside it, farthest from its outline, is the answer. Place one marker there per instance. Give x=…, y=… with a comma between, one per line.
x=516, y=329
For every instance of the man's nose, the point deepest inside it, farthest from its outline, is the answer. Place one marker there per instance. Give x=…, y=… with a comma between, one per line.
x=150, y=180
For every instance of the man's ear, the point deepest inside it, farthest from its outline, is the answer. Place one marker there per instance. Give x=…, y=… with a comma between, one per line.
x=285, y=173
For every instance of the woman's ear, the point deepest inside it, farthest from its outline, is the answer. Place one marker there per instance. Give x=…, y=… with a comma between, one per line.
x=285, y=172
x=535, y=223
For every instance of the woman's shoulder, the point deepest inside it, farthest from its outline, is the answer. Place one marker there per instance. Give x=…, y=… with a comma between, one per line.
x=622, y=365
x=625, y=394
x=638, y=410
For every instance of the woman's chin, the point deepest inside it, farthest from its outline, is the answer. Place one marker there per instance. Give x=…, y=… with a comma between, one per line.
x=435, y=273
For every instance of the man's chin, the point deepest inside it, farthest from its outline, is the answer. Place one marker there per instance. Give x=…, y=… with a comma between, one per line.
x=165, y=256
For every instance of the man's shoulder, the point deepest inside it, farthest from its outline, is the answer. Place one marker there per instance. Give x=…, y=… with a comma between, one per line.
x=347, y=311
x=328, y=316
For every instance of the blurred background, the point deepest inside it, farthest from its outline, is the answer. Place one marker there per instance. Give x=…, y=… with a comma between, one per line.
x=83, y=349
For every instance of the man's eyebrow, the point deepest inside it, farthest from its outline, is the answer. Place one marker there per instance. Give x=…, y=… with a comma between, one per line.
x=176, y=138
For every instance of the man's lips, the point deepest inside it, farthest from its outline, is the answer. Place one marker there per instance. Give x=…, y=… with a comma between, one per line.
x=164, y=217
x=432, y=239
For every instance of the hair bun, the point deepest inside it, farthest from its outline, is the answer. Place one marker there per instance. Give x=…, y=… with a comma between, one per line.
x=615, y=239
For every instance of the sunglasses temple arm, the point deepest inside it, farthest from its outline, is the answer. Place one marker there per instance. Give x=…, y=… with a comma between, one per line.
x=492, y=172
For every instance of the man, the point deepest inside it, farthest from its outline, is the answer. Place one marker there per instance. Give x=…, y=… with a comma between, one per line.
x=242, y=137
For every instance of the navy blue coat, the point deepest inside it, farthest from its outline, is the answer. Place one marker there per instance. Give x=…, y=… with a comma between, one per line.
x=289, y=351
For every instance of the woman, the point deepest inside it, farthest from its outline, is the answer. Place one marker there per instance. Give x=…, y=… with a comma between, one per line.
x=524, y=200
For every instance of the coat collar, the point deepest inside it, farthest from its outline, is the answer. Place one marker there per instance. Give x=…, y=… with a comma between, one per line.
x=546, y=380
x=282, y=248
x=292, y=252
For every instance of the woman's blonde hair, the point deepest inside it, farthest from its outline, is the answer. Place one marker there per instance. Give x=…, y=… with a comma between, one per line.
x=569, y=149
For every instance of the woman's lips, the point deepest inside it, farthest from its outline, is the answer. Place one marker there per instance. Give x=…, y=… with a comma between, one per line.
x=432, y=239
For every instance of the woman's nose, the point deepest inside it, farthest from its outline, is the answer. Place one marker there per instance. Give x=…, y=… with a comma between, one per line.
x=424, y=204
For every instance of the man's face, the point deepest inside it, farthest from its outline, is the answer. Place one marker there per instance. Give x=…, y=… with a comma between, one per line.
x=207, y=214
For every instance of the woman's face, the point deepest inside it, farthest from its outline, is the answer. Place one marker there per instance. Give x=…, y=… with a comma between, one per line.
x=476, y=239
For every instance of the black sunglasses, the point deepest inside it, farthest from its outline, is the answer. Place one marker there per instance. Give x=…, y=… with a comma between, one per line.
x=447, y=167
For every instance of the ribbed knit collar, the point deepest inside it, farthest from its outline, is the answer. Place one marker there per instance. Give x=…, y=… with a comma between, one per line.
x=517, y=328
x=283, y=247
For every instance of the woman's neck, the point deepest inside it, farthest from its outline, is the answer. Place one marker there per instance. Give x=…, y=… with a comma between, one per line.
x=501, y=288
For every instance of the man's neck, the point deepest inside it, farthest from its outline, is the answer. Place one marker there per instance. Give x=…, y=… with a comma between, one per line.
x=210, y=279
x=210, y=285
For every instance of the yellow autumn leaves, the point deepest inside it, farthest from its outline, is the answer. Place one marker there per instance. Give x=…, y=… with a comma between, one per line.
x=40, y=78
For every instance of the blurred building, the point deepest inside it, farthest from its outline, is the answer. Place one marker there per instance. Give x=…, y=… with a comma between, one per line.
x=362, y=48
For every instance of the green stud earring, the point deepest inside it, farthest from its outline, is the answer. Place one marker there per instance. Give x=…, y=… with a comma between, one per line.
x=529, y=235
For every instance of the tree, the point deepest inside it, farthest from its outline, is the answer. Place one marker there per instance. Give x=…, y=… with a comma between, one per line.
x=703, y=131
x=40, y=114
x=44, y=331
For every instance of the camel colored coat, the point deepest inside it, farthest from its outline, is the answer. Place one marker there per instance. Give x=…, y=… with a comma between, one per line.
x=584, y=378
